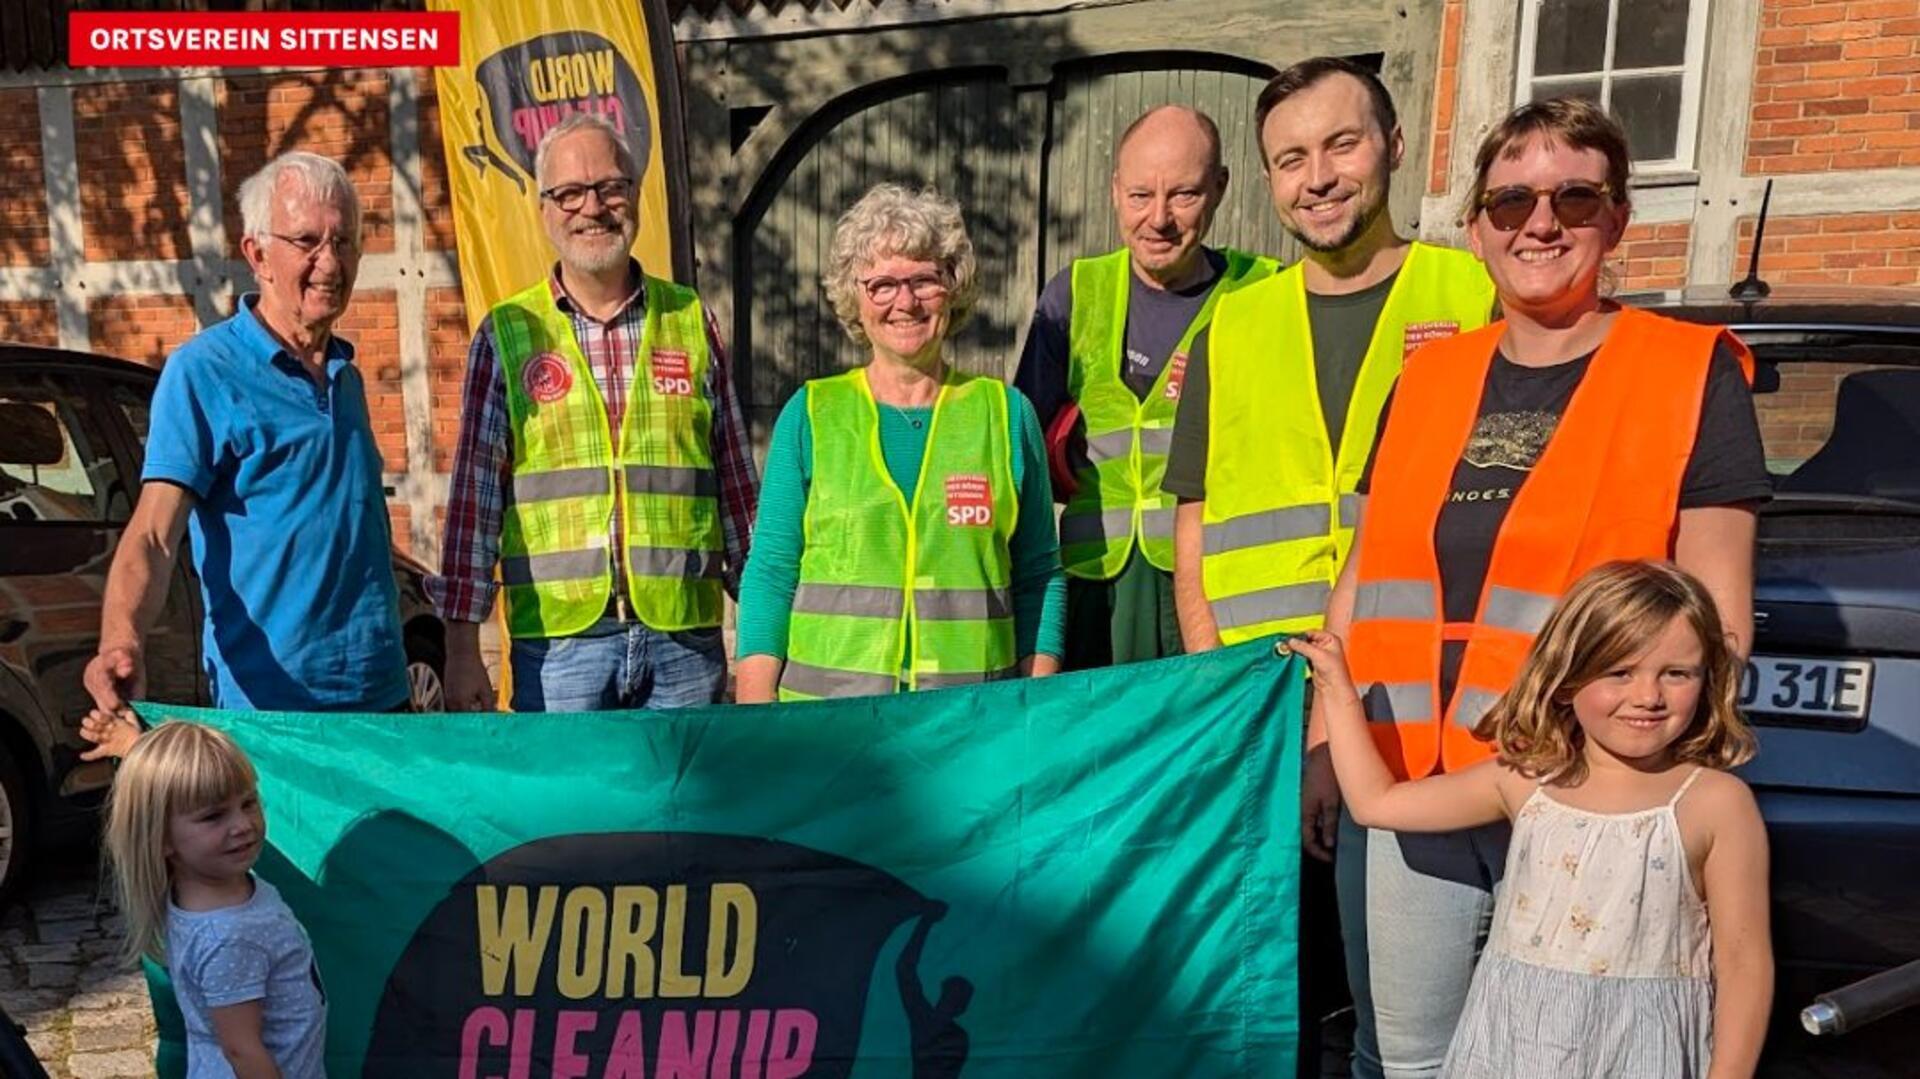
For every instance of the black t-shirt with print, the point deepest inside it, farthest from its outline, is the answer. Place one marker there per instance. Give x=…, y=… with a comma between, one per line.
x=1519, y=410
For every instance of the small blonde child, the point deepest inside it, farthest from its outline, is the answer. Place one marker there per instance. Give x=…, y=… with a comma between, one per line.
x=184, y=828
x=1630, y=937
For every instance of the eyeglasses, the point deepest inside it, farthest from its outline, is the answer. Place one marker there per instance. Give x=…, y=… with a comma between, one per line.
x=310, y=245
x=926, y=286
x=1575, y=203
x=570, y=197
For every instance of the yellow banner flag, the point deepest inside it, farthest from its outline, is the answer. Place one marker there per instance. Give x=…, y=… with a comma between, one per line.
x=525, y=65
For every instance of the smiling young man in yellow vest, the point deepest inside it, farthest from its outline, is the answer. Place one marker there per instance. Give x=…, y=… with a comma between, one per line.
x=1284, y=391
x=603, y=466
x=1104, y=363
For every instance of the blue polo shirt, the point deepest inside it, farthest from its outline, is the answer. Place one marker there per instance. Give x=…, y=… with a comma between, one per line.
x=290, y=533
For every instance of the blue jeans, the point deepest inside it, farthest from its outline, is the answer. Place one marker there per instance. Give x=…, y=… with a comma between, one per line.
x=616, y=664
x=1414, y=913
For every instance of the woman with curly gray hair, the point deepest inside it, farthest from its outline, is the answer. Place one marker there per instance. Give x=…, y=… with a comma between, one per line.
x=905, y=538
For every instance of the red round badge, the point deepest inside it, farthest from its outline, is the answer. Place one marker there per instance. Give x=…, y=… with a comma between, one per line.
x=547, y=377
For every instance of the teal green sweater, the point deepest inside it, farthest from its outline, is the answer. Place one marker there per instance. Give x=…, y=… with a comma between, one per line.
x=773, y=567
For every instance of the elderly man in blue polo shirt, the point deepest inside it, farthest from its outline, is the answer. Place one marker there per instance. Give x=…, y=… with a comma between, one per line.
x=259, y=439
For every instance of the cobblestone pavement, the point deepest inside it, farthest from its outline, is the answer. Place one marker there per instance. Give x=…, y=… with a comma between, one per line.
x=85, y=1012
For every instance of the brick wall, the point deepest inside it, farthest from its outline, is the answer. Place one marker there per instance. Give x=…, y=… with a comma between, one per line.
x=447, y=341
x=338, y=114
x=372, y=323
x=1446, y=84
x=1850, y=249
x=142, y=327
x=1796, y=419
x=1652, y=256
x=23, y=192
x=36, y=322
x=133, y=174
x=1835, y=86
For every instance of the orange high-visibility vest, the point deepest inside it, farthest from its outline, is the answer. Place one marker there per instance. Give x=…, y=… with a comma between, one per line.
x=1606, y=486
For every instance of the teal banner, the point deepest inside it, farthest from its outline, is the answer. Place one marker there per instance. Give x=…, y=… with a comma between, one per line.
x=1093, y=874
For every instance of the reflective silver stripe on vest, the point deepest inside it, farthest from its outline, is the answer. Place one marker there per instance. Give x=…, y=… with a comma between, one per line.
x=1398, y=702
x=961, y=604
x=1514, y=609
x=1396, y=599
x=1117, y=444
x=947, y=681
x=670, y=480
x=674, y=562
x=1095, y=527
x=1471, y=705
x=558, y=566
x=857, y=600
x=828, y=682
x=1110, y=446
x=563, y=483
x=1268, y=526
x=1349, y=511
x=1271, y=605
x=1157, y=524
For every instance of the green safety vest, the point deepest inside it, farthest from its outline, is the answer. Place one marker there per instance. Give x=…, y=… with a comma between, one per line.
x=1118, y=501
x=892, y=595
x=554, y=563
x=1280, y=509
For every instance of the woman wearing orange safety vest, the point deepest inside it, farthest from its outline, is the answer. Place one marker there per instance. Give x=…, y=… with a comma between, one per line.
x=1513, y=459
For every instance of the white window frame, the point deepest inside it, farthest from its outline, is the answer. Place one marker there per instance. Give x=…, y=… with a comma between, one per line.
x=1691, y=70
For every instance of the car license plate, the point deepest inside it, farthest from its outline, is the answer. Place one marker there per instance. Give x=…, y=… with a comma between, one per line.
x=1833, y=690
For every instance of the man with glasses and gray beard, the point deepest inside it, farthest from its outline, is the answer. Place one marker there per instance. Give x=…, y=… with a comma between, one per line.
x=602, y=467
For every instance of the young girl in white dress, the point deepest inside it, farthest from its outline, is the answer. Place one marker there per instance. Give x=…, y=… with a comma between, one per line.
x=1630, y=935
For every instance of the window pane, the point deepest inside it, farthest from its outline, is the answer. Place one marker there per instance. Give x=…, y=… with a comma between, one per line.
x=1653, y=33
x=53, y=466
x=1572, y=37
x=1649, y=108
x=1588, y=89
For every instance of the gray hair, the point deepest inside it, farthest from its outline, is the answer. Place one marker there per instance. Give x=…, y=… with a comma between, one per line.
x=318, y=177
x=585, y=121
x=891, y=220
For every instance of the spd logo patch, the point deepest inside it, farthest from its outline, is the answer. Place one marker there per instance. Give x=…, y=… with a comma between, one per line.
x=1419, y=333
x=672, y=373
x=547, y=378
x=1176, y=375
x=969, y=501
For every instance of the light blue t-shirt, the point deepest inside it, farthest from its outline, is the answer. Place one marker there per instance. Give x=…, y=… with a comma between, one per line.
x=253, y=951
x=290, y=533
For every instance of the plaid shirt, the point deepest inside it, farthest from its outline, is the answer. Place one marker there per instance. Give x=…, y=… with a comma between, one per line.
x=483, y=461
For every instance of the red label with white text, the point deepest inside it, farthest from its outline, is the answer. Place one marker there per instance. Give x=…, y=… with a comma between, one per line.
x=1419, y=333
x=263, y=39
x=1176, y=375
x=547, y=377
x=672, y=373
x=969, y=501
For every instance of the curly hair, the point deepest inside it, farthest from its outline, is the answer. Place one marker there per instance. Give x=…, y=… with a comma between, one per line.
x=890, y=220
x=1608, y=616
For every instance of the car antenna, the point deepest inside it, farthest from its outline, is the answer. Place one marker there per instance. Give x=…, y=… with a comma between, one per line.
x=1751, y=287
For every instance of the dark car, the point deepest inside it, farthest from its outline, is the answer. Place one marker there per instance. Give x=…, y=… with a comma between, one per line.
x=1834, y=683
x=72, y=428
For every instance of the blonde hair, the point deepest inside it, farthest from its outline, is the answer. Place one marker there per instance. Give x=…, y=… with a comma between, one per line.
x=1609, y=615
x=178, y=767
x=891, y=220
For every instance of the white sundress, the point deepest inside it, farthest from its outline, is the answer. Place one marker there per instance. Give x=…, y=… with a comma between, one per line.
x=1600, y=962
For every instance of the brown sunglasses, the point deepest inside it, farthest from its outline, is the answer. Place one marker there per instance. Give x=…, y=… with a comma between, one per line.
x=1575, y=203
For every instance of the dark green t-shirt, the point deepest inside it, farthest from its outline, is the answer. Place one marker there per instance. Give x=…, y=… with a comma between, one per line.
x=1342, y=328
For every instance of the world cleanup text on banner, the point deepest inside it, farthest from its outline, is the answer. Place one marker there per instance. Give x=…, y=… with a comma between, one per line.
x=524, y=66
x=1092, y=874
